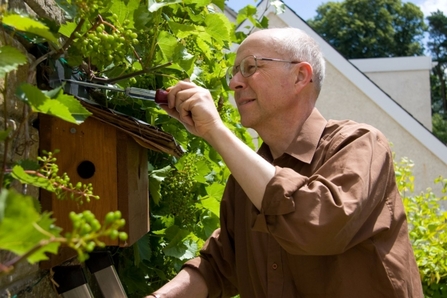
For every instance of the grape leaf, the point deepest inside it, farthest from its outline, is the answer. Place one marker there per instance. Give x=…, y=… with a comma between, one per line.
x=154, y=5
x=218, y=26
x=75, y=108
x=142, y=250
x=10, y=59
x=23, y=228
x=62, y=106
x=26, y=24
x=124, y=10
x=212, y=205
x=67, y=28
x=19, y=173
x=179, y=246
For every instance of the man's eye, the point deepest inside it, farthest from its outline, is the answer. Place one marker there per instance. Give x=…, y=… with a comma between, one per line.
x=250, y=67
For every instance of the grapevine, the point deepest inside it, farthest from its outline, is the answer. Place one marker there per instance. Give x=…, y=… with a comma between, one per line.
x=87, y=230
x=62, y=184
x=179, y=192
x=90, y=8
x=106, y=43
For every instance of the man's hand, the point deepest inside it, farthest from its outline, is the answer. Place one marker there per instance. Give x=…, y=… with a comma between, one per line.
x=188, y=283
x=194, y=107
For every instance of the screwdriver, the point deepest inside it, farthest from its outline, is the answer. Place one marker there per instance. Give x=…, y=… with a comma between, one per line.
x=159, y=96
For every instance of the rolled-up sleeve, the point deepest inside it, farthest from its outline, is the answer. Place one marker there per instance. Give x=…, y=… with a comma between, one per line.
x=343, y=201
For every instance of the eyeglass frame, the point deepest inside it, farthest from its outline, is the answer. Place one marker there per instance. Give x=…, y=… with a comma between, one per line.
x=231, y=73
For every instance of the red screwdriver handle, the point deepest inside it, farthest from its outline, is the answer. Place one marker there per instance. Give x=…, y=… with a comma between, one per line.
x=161, y=97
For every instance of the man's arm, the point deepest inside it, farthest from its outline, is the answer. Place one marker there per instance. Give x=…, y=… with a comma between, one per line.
x=194, y=107
x=188, y=283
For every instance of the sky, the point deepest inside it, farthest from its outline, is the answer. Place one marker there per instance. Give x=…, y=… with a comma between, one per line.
x=306, y=9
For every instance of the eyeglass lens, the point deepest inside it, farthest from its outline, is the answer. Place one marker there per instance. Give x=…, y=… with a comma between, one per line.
x=247, y=67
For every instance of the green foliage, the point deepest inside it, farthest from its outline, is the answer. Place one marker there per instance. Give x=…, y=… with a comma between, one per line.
x=147, y=44
x=29, y=26
x=428, y=229
x=45, y=175
x=437, y=46
x=87, y=231
x=440, y=127
x=370, y=29
x=24, y=229
x=10, y=59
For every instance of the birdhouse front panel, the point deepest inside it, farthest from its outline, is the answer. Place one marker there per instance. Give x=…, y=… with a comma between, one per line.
x=98, y=153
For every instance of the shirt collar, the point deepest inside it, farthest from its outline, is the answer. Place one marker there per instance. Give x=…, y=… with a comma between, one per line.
x=303, y=147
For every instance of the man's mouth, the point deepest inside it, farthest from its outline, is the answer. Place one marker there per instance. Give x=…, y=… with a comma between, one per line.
x=245, y=101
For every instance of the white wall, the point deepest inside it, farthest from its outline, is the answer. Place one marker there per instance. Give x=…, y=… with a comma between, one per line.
x=405, y=79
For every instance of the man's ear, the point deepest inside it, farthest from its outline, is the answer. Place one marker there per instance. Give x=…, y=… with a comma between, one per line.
x=304, y=73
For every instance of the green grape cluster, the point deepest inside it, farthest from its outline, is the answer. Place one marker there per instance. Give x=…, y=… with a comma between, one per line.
x=105, y=44
x=61, y=184
x=179, y=193
x=87, y=230
x=87, y=8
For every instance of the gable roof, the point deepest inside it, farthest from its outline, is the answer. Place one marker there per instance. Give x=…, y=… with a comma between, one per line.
x=356, y=77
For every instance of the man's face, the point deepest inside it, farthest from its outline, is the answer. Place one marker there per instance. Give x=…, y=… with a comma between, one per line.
x=267, y=94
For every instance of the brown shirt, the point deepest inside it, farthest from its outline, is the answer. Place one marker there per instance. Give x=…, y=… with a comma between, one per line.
x=332, y=223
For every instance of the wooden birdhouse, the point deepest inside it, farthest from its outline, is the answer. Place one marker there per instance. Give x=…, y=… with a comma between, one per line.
x=108, y=150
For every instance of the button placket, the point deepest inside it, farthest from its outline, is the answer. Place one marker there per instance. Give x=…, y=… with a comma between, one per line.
x=274, y=272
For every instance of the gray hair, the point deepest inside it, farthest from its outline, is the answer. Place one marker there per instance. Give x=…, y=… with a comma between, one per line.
x=300, y=46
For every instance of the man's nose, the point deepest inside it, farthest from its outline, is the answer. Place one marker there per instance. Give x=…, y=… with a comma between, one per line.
x=237, y=81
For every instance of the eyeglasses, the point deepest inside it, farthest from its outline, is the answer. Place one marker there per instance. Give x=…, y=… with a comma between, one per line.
x=249, y=65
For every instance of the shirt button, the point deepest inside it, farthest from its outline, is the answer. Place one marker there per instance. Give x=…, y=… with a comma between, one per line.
x=274, y=266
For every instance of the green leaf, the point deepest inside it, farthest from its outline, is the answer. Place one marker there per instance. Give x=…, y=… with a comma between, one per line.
x=67, y=28
x=179, y=246
x=210, y=223
x=244, y=13
x=202, y=171
x=167, y=44
x=73, y=105
x=28, y=164
x=212, y=205
x=26, y=24
x=68, y=7
x=279, y=6
x=4, y=134
x=19, y=173
x=142, y=249
x=219, y=3
x=154, y=5
x=218, y=26
x=10, y=59
x=62, y=106
x=23, y=228
x=3, y=196
x=124, y=10
x=175, y=236
x=155, y=179
x=154, y=190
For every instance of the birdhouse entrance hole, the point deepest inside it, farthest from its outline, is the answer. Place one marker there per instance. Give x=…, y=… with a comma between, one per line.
x=86, y=169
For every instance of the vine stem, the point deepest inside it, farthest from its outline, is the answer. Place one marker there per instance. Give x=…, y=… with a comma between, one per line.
x=58, y=52
x=6, y=142
x=8, y=266
x=130, y=75
x=55, y=184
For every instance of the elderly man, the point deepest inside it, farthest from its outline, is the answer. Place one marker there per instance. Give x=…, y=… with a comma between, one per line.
x=316, y=211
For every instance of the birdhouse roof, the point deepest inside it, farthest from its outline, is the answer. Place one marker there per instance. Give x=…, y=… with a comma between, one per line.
x=146, y=135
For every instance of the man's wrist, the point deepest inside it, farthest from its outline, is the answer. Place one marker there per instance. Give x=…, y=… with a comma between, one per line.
x=154, y=295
